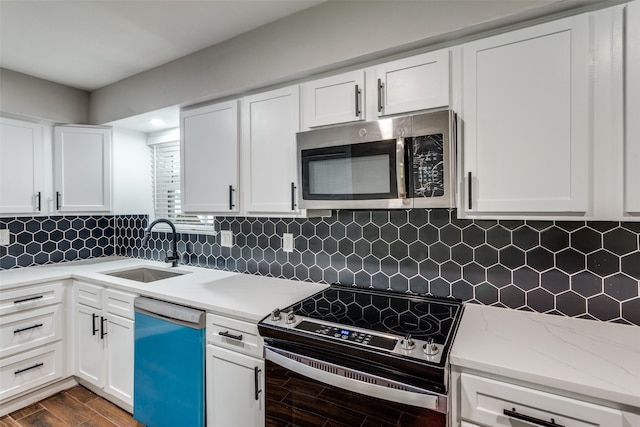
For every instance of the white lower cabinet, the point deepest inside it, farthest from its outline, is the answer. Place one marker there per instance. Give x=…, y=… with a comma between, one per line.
x=490, y=402
x=105, y=340
x=32, y=345
x=234, y=373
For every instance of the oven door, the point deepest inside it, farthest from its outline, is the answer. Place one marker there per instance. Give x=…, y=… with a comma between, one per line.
x=303, y=391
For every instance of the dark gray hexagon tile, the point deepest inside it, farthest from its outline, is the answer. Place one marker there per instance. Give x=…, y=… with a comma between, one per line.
x=418, y=217
x=570, y=261
x=571, y=304
x=621, y=287
x=419, y=285
x=526, y=279
x=429, y=269
x=486, y=255
x=462, y=290
x=428, y=234
x=499, y=275
x=621, y=241
x=586, y=284
x=540, y=259
x=473, y=236
x=439, y=217
x=439, y=287
x=461, y=254
x=512, y=297
x=440, y=252
x=631, y=311
x=586, y=240
x=603, y=263
x=631, y=265
x=603, y=307
x=512, y=257
x=555, y=281
x=540, y=300
x=498, y=237
x=450, y=271
x=474, y=273
x=525, y=237
x=486, y=293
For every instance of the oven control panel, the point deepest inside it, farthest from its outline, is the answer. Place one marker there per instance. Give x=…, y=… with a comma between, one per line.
x=348, y=335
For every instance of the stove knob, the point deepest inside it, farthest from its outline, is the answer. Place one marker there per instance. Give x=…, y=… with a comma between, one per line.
x=407, y=343
x=291, y=317
x=275, y=315
x=430, y=349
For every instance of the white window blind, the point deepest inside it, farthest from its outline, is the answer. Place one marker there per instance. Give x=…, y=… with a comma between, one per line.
x=167, y=199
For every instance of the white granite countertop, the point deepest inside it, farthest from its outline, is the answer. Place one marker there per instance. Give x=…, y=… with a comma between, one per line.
x=242, y=296
x=575, y=355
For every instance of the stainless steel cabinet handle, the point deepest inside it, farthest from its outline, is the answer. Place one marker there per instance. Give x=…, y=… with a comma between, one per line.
x=37, y=365
x=93, y=324
x=380, y=86
x=28, y=299
x=532, y=420
x=358, y=91
x=257, y=391
x=39, y=198
x=37, y=325
x=231, y=190
x=57, y=200
x=400, y=179
x=227, y=334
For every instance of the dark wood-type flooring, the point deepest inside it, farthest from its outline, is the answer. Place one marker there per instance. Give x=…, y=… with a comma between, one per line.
x=77, y=407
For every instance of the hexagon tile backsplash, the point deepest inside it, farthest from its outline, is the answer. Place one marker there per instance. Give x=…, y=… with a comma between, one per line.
x=578, y=269
x=572, y=268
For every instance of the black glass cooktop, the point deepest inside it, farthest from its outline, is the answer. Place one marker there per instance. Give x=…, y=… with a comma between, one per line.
x=386, y=312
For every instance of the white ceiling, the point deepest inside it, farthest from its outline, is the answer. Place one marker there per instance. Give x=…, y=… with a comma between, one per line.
x=90, y=44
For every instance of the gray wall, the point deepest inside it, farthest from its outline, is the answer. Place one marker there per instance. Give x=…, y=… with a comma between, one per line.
x=329, y=36
x=29, y=96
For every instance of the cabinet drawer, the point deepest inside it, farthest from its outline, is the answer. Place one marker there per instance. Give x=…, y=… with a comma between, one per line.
x=24, y=331
x=234, y=334
x=88, y=294
x=22, y=372
x=28, y=297
x=484, y=402
x=119, y=303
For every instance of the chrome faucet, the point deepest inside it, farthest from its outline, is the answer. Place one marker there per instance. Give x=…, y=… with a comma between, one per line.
x=173, y=258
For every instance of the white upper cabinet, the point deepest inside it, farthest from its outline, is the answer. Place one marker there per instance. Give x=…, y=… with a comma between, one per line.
x=270, y=121
x=209, y=159
x=416, y=83
x=632, y=119
x=82, y=169
x=333, y=100
x=525, y=121
x=21, y=167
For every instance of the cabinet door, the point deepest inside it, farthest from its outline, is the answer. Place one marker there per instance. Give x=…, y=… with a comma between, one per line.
x=21, y=167
x=525, y=102
x=235, y=389
x=118, y=357
x=82, y=169
x=632, y=137
x=411, y=84
x=89, y=345
x=333, y=100
x=270, y=123
x=209, y=159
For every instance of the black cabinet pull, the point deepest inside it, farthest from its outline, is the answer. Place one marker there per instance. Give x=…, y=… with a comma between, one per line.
x=39, y=198
x=28, y=299
x=57, y=200
x=230, y=335
x=358, y=101
x=470, y=179
x=293, y=196
x=532, y=420
x=231, y=190
x=103, y=329
x=380, y=85
x=37, y=365
x=37, y=325
x=256, y=380
x=93, y=324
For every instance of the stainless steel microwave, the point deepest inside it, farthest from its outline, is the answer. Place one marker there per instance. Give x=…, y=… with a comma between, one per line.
x=395, y=163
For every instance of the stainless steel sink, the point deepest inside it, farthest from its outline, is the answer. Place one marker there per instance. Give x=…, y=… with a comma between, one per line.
x=146, y=274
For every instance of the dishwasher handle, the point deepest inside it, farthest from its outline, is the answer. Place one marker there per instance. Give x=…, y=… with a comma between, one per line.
x=175, y=313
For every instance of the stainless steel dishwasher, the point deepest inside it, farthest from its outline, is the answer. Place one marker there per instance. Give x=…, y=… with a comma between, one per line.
x=169, y=364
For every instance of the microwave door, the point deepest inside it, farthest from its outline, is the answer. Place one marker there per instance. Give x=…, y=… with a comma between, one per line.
x=352, y=176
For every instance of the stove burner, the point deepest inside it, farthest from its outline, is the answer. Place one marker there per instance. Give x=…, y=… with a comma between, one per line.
x=407, y=323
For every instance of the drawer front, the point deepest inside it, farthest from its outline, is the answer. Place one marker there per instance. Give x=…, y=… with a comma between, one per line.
x=484, y=401
x=234, y=335
x=24, y=331
x=88, y=294
x=29, y=370
x=28, y=297
x=119, y=303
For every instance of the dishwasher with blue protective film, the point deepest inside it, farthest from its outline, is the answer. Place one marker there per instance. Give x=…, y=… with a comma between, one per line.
x=169, y=387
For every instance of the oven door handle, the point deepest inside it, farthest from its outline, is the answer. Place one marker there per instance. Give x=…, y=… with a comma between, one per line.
x=420, y=397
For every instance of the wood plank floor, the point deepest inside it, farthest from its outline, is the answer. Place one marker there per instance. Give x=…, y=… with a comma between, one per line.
x=77, y=407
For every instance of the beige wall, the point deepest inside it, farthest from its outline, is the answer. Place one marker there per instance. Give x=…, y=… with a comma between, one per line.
x=28, y=96
x=329, y=36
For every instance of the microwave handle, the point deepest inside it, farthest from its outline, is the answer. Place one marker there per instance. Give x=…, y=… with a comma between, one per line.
x=400, y=168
